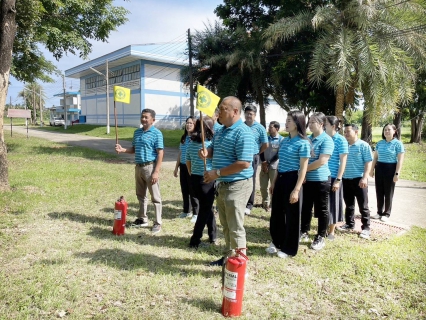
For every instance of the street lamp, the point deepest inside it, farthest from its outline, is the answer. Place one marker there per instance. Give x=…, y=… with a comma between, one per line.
x=107, y=91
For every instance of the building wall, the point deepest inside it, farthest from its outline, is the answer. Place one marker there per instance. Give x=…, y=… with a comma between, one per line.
x=158, y=88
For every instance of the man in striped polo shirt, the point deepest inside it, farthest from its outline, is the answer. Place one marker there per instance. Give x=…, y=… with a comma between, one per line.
x=259, y=146
x=355, y=181
x=148, y=147
x=232, y=153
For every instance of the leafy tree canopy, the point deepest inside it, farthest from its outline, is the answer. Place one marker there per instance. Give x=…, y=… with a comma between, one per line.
x=61, y=27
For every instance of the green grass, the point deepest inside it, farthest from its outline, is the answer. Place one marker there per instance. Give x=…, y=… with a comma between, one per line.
x=58, y=255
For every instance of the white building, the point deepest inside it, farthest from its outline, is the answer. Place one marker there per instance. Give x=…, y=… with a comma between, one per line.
x=73, y=107
x=151, y=72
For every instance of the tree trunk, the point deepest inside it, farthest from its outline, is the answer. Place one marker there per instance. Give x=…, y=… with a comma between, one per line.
x=340, y=103
x=262, y=112
x=416, y=129
x=7, y=36
x=397, y=122
x=367, y=129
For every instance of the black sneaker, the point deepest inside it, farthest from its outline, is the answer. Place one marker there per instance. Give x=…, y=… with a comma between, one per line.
x=318, y=243
x=217, y=263
x=345, y=228
x=139, y=223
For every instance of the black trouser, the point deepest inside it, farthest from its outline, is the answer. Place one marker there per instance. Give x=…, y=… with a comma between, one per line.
x=284, y=225
x=384, y=173
x=190, y=203
x=315, y=194
x=254, y=164
x=352, y=190
x=204, y=192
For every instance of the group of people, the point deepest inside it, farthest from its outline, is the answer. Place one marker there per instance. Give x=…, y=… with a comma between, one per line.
x=318, y=172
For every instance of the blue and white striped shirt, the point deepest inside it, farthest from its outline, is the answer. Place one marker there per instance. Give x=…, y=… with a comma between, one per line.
x=146, y=144
x=388, y=151
x=217, y=126
x=359, y=154
x=290, y=152
x=340, y=147
x=322, y=144
x=230, y=145
x=260, y=136
x=197, y=164
x=182, y=148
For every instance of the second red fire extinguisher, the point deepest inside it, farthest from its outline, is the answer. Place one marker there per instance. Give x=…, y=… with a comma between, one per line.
x=120, y=213
x=233, y=284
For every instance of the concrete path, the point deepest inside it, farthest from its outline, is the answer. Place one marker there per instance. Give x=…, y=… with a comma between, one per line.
x=409, y=205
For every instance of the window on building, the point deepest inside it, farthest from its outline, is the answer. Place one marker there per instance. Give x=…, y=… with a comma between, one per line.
x=115, y=77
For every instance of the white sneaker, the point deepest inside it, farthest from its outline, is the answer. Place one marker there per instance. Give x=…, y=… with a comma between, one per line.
x=384, y=218
x=194, y=218
x=271, y=249
x=247, y=211
x=365, y=234
x=376, y=216
x=282, y=255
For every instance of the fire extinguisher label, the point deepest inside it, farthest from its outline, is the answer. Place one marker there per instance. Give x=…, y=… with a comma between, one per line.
x=230, y=284
x=117, y=214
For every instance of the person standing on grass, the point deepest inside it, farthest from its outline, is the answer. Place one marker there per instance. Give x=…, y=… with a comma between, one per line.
x=203, y=191
x=269, y=162
x=259, y=146
x=286, y=189
x=337, y=165
x=232, y=153
x=148, y=147
x=355, y=181
x=387, y=163
x=190, y=203
x=317, y=187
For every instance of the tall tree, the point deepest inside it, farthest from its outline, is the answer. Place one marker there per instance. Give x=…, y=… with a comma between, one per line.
x=58, y=25
x=417, y=109
x=7, y=35
x=34, y=98
x=365, y=46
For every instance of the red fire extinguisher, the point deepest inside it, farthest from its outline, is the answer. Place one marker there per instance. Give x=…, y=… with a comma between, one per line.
x=233, y=284
x=120, y=213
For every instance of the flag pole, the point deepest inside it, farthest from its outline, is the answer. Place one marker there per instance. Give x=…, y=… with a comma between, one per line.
x=202, y=138
x=116, y=128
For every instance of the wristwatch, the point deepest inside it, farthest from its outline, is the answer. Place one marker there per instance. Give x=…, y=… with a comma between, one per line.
x=337, y=179
x=396, y=173
x=218, y=172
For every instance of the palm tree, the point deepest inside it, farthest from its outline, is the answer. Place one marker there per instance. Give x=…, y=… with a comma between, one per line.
x=34, y=98
x=371, y=47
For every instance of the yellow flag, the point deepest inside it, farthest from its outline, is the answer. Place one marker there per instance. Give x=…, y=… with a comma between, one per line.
x=206, y=100
x=121, y=94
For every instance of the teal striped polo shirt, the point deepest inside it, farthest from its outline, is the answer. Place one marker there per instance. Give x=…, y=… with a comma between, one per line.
x=359, y=154
x=197, y=164
x=290, y=152
x=146, y=144
x=340, y=147
x=322, y=144
x=388, y=151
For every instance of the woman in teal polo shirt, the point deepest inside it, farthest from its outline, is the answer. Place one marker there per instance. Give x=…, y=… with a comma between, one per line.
x=316, y=190
x=387, y=163
x=293, y=154
x=190, y=203
x=203, y=191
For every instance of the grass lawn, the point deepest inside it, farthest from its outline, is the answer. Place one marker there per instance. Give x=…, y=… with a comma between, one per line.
x=59, y=257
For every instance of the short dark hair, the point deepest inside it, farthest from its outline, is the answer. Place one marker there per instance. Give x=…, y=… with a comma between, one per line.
x=150, y=111
x=250, y=107
x=208, y=130
x=276, y=124
x=395, y=135
x=353, y=125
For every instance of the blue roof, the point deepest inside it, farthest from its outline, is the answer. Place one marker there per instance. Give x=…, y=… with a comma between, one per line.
x=170, y=53
x=68, y=93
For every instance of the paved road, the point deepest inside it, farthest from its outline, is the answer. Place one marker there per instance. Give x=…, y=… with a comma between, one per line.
x=409, y=205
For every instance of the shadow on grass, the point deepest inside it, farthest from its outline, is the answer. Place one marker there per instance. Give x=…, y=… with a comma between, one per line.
x=124, y=260
x=205, y=304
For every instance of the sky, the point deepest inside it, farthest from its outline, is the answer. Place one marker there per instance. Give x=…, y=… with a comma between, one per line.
x=150, y=21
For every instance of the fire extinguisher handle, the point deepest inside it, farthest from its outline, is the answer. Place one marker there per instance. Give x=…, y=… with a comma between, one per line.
x=239, y=251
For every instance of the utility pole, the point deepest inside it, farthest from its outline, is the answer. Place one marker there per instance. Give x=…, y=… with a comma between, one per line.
x=34, y=106
x=191, y=84
x=106, y=76
x=107, y=95
x=41, y=109
x=65, y=103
